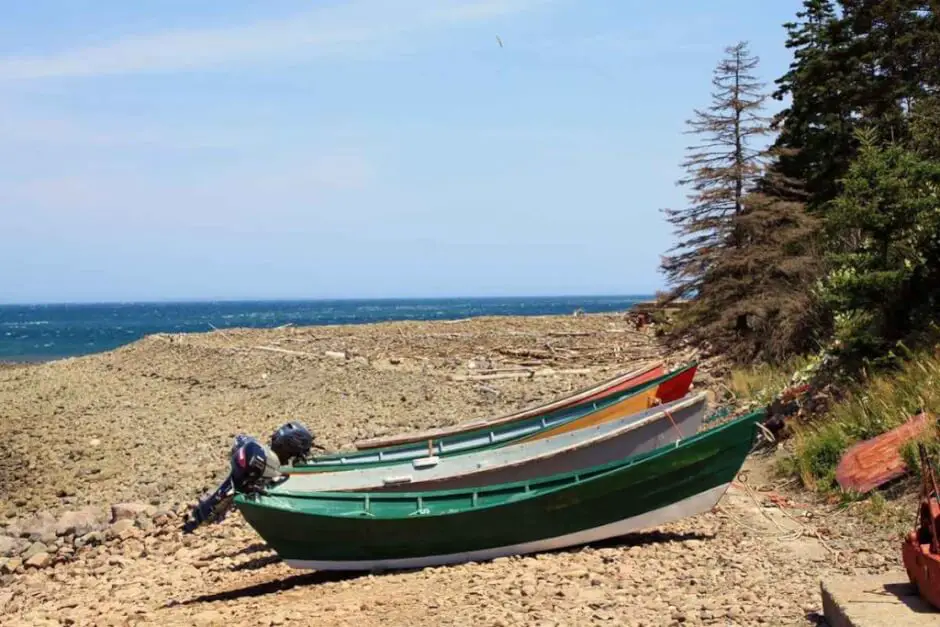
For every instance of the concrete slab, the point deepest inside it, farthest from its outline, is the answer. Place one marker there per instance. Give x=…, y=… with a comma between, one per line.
x=876, y=601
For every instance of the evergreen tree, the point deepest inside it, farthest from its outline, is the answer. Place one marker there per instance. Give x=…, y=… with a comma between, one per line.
x=856, y=63
x=815, y=140
x=885, y=282
x=757, y=301
x=720, y=172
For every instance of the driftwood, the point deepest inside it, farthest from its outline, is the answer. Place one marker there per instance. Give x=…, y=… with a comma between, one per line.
x=533, y=353
x=286, y=351
x=516, y=369
x=522, y=374
x=527, y=374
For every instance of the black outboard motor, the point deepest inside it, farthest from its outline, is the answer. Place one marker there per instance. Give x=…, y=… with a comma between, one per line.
x=292, y=442
x=253, y=467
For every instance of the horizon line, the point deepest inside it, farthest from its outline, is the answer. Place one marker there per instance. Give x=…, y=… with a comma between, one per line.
x=241, y=300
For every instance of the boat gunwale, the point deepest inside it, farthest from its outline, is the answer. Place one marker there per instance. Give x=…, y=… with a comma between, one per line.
x=573, y=399
x=324, y=461
x=569, y=479
x=657, y=413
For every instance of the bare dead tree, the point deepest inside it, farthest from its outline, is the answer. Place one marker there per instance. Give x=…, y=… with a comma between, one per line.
x=721, y=171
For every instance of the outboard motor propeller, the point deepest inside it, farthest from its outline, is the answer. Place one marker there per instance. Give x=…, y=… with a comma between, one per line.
x=253, y=466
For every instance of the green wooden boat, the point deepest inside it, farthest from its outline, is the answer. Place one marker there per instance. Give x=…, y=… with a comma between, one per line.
x=667, y=388
x=368, y=531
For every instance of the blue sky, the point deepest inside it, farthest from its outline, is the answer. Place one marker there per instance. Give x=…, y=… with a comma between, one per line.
x=359, y=148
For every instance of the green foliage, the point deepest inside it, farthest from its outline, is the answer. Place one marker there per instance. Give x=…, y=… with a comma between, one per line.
x=818, y=453
x=856, y=63
x=925, y=127
x=911, y=455
x=830, y=240
x=885, y=234
x=815, y=140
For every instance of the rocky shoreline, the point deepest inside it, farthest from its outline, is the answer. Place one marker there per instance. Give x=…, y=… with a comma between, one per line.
x=101, y=456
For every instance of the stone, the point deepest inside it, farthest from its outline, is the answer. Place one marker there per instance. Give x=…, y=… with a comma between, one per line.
x=78, y=523
x=888, y=599
x=11, y=566
x=39, y=560
x=120, y=527
x=130, y=511
x=10, y=546
x=40, y=528
x=90, y=539
x=33, y=549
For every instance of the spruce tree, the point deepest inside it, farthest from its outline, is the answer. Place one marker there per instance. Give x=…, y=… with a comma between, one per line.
x=721, y=170
x=815, y=142
x=884, y=286
x=757, y=300
x=857, y=63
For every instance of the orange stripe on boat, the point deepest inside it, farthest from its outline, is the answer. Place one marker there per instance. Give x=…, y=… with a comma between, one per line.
x=665, y=392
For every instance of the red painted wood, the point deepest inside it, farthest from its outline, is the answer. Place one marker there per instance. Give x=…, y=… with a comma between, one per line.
x=874, y=462
x=646, y=377
x=919, y=552
x=677, y=387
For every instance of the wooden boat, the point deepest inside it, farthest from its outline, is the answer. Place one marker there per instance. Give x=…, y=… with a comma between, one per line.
x=873, y=463
x=366, y=531
x=669, y=387
x=567, y=452
x=920, y=550
x=597, y=392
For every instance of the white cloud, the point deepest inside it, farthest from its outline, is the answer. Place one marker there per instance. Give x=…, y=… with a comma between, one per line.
x=326, y=31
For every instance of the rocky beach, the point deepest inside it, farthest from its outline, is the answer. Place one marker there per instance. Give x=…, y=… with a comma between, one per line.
x=102, y=456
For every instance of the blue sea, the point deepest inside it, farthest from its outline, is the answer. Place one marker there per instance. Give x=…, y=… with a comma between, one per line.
x=45, y=332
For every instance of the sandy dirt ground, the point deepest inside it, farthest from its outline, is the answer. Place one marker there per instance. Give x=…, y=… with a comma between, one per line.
x=101, y=455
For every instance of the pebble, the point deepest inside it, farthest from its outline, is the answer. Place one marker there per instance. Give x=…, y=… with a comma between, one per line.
x=130, y=511
x=11, y=565
x=39, y=560
x=121, y=526
x=10, y=546
x=77, y=523
x=33, y=549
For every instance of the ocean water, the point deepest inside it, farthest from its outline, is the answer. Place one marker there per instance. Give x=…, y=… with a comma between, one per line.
x=44, y=332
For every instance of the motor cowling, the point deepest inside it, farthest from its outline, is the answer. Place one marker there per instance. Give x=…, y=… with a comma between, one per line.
x=292, y=441
x=253, y=464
